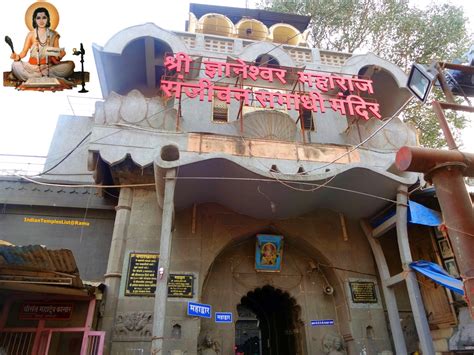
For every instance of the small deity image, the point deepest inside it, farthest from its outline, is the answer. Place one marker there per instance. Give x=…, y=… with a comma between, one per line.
x=39, y=65
x=268, y=252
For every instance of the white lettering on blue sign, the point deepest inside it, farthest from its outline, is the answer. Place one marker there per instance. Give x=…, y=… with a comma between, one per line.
x=199, y=310
x=319, y=322
x=223, y=317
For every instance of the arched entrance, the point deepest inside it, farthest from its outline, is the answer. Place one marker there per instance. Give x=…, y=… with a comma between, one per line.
x=268, y=323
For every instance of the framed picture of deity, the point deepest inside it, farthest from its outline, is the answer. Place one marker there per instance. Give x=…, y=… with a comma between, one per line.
x=451, y=267
x=268, y=253
x=444, y=248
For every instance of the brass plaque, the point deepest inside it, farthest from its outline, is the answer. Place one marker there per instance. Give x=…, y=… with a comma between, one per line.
x=180, y=285
x=363, y=292
x=141, y=277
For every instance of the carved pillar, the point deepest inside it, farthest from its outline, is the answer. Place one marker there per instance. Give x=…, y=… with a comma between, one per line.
x=115, y=263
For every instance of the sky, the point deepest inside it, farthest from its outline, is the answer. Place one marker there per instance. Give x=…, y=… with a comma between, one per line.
x=28, y=119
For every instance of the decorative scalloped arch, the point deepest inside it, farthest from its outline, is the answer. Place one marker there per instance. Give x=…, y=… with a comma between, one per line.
x=250, y=53
x=121, y=39
x=389, y=81
x=285, y=33
x=355, y=63
x=252, y=29
x=216, y=24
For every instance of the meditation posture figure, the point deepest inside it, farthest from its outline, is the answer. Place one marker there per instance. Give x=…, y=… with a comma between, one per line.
x=45, y=54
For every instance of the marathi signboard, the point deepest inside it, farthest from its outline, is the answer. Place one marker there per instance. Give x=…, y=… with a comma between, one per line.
x=363, y=292
x=141, y=277
x=321, y=85
x=199, y=310
x=45, y=310
x=322, y=322
x=223, y=317
x=181, y=285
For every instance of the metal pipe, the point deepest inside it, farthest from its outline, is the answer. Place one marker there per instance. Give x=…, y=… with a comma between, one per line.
x=424, y=160
x=458, y=215
x=444, y=125
x=446, y=170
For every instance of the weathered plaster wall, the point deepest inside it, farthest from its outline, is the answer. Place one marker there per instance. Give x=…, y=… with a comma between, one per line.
x=89, y=243
x=216, y=245
x=222, y=248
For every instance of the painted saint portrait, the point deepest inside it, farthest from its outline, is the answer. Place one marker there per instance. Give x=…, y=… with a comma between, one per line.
x=445, y=248
x=40, y=64
x=451, y=268
x=268, y=252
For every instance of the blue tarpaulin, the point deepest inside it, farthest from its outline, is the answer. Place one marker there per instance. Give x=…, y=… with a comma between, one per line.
x=417, y=214
x=438, y=275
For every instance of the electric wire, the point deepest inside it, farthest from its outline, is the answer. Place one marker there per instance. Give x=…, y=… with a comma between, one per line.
x=275, y=46
x=204, y=178
x=167, y=108
x=276, y=178
x=66, y=156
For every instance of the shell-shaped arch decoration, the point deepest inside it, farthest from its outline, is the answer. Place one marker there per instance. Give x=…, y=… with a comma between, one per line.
x=268, y=124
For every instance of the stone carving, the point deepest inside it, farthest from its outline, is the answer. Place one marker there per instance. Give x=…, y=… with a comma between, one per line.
x=209, y=346
x=133, y=325
x=332, y=344
x=136, y=109
x=463, y=336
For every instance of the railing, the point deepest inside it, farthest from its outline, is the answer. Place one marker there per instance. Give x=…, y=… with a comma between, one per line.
x=16, y=342
x=333, y=58
x=95, y=343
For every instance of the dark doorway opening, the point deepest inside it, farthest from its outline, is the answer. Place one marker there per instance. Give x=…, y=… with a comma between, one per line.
x=268, y=323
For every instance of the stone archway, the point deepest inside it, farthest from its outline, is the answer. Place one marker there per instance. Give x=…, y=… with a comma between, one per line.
x=276, y=328
x=298, y=287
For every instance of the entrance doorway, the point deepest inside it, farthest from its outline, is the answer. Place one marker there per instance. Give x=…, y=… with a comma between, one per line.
x=268, y=323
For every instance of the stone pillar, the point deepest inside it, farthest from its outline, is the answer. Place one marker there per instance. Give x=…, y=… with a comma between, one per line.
x=115, y=263
x=417, y=307
x=161, y=293
x=388, y=292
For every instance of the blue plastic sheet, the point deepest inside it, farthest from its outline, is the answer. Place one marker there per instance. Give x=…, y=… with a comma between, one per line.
x=438, y=275
x=419, y=214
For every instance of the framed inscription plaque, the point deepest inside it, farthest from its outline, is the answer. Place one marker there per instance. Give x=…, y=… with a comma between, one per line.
x=363, y=292
x=181, y=285
x=141, y=277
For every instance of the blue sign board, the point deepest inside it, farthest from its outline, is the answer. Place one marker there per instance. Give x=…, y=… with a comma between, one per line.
x=319, y=322
x=199, y=310
x=223, y=317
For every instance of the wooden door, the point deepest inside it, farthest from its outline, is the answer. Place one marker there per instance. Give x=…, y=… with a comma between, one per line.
x=437, y=299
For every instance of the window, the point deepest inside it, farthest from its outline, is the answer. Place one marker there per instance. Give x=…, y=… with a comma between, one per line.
x=267, y=60
x=307, y=119
x=255, y=105
x=220, y=110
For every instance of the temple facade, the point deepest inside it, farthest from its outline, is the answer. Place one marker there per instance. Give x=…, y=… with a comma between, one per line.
x=247, y=168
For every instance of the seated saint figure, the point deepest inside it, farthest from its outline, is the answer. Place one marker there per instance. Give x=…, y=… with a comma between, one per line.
x=45, y=54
